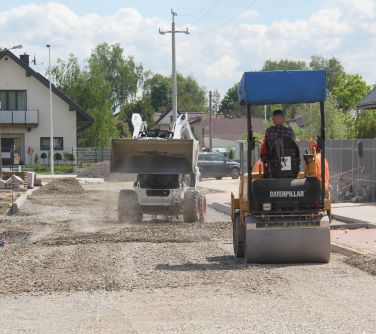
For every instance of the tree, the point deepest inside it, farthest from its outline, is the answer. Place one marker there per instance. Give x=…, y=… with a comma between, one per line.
x=366, y=124
x=58, y=157
x=334, y=69
x=191, y=96
x=43, y=157
x=230, y=102
x=159, y=89
x=123, y=74
x=216, y=101
x=349, y=90
x=89, y=88
x=284, y=64
x=336, y=121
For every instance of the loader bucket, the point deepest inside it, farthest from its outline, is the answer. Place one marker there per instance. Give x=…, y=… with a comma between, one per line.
x=286, y=243
x=152, y=156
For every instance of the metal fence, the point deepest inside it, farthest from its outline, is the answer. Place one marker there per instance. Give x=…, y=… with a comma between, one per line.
x=352, y=166
x=352, y=169
x=88, y=155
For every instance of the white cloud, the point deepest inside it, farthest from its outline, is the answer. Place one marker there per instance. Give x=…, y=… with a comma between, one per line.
x=342, y=28
x=250, y=14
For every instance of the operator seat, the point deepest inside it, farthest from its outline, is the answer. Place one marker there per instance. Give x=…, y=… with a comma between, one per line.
x=284, y=160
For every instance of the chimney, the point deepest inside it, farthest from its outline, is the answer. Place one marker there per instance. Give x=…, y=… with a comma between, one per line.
x=25, y=58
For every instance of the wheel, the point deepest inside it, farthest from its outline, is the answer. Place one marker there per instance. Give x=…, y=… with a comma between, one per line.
x=218, y=178
x=129, y=211
x=191, y=206
x=202, y=198
x=238, y=236
x=235, y=173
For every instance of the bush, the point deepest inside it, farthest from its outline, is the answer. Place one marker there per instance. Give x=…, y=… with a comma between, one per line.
x=43, y=157
x=36, y=158
x=230, y=152
x=58, y=157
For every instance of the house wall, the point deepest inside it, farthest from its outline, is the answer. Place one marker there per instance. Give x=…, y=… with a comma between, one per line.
x=13, y=77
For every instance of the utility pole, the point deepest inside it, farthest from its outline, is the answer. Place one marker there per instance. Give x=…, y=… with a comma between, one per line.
x=51, y=119
x=210, y=122
x=173, y=31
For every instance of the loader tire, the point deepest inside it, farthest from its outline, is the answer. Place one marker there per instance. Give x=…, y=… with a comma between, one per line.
x=191, y=206
x=202, y=198
x=238, y=235
x=129, y=211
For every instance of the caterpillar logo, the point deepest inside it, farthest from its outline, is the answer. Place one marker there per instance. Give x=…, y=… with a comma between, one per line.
x=287, y=193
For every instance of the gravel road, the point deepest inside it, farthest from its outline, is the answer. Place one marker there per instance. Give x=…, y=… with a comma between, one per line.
x=69, y=267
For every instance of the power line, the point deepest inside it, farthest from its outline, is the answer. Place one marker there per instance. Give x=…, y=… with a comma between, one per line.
x=208, y=11
x=200, y=10
x=231, y=19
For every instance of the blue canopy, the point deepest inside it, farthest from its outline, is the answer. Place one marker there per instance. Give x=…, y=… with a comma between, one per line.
x=283, y=87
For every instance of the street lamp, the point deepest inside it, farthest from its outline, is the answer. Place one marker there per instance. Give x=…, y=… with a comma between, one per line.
x=19, y=46
x=51, y=119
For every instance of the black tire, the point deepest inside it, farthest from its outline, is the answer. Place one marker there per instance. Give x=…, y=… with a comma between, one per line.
x=202, y=198
x=238, y=236
x=218, y=178
x=235, y=173
x=191, y=206
x=129, y=211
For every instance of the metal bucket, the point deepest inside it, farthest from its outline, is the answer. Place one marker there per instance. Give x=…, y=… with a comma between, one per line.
x=153, y=156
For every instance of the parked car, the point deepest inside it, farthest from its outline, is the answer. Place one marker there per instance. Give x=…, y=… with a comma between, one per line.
x=216, y=165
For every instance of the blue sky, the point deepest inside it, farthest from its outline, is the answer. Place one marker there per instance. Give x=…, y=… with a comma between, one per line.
x=227, y=37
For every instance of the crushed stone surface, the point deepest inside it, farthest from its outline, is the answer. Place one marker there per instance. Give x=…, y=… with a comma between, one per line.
x=69, y=267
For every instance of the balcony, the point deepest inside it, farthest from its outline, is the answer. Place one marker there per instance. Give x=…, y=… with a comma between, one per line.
x=19, y=118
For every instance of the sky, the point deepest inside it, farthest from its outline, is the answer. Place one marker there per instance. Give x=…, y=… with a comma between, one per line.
x=227, y=37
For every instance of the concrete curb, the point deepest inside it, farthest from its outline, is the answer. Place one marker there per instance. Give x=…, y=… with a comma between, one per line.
x=345, y=250
x=334, y=247
x=20, y=201
x=223, y=208
x=349, y=220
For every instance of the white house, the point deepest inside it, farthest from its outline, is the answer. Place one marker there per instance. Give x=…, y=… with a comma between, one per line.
x=25, y=112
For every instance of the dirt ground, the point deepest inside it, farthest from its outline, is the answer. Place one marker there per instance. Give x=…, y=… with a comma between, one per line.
x=70, y=267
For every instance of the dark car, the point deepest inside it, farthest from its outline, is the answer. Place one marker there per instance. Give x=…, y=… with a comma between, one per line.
x=218, y=166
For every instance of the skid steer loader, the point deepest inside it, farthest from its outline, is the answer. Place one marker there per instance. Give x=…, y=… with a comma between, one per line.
x=282, y=215
x=167, y=174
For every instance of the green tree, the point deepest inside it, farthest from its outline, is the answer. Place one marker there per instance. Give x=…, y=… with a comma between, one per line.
x=122, y=73
x=349, y=90
x=191, y=96
x=229, y=105
x=334, y=69
x=284, y=64
x=140, y=106
x=89, y=88
x=366, y=124
x=159, y=89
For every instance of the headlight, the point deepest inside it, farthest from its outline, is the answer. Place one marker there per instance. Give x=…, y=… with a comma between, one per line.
x=267, y=206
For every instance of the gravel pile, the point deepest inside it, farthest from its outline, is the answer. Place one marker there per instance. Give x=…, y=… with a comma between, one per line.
x=366, y=263
x=61, y=186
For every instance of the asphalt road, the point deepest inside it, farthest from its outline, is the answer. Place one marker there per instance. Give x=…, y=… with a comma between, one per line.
x=69, y=267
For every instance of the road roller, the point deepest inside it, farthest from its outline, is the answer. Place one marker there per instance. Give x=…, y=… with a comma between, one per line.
x=282, y=211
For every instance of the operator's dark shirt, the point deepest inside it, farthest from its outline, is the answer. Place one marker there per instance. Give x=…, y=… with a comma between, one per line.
x=271, y=134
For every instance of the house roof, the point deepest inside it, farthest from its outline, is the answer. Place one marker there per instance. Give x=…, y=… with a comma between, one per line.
x=233, y=128
x=369, y=102
x=82, y=114
x=192, y=117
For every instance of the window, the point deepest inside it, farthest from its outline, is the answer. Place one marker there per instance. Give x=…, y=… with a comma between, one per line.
x=13, y=100
x=204, y=157
x=45, y=143
x=216, y=157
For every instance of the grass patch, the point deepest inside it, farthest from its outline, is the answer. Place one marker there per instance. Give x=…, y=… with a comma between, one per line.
x=45, y=169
